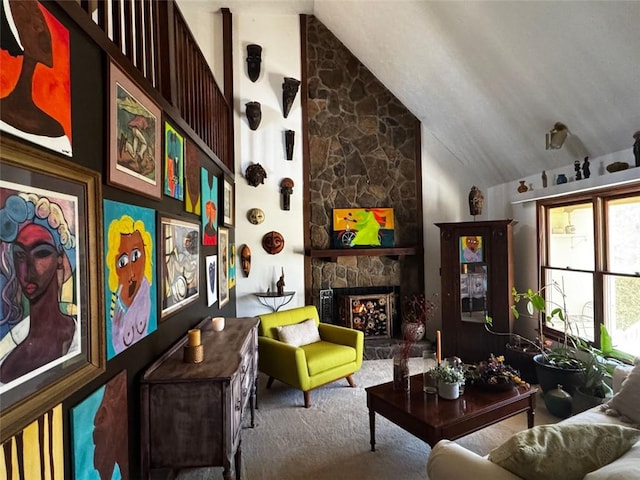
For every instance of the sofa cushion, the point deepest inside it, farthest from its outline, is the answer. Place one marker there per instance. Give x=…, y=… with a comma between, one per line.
x=299, y=334
x=567, y=451
x=626, y=403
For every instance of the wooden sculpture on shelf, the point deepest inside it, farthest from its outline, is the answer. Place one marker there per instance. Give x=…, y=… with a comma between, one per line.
x=245, y=259
x=280, y=284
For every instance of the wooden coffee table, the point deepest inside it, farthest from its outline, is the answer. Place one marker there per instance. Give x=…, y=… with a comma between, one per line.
x=431, y=418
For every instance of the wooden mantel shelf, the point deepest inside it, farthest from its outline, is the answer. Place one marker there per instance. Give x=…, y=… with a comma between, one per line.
x=332, y=254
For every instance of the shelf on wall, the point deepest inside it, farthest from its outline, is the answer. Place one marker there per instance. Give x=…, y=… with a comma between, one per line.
x=332, y=254
x=622, y=177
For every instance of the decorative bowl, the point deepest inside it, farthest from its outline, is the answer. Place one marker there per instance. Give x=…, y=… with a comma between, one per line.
x=617, y=166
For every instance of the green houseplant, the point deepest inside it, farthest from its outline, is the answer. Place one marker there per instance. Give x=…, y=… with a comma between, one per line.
x=449, y=378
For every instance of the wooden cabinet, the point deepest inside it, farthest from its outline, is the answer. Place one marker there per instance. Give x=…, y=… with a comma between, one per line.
x=476, y=274
x=191, y=413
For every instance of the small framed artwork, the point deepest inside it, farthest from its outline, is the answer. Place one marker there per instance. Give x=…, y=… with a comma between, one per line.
x=232, y=265
x=179, y=263
x=471, y=249
x=135, y=148
x=52, y=331
x=228, y=203
x=209, y=202
x=223, y=267
x=212, y=279
x=173, y=162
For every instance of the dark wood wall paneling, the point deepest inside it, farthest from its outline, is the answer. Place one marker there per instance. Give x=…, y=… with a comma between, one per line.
x=90, y=53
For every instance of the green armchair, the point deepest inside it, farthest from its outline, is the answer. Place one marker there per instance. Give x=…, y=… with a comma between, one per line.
x=337, y=355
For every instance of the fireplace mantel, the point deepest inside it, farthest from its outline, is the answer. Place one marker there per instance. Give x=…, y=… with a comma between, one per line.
x=332, y=254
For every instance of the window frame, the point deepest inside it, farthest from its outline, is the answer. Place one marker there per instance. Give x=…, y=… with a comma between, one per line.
x=599, y=200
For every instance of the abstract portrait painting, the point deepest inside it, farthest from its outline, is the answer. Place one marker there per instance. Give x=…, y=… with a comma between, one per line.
x=173, y=162
x=232, y=265
x=130, y=275
x=50, y=268
x=192, y=178
x=209, y=207
x=100, y=430
x=35, y=79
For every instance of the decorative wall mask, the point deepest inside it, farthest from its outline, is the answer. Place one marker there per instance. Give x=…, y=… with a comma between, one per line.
x=289, y=136
x=289, y=91
x=255, y=174
x=254, y=114
x=254, y=58
x=286, y=189
x=245, y=258
x=255, y=216
x=273, y=243
x=476, y=201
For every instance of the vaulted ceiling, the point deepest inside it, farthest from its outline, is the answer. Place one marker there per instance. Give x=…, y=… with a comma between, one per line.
x=488, y=79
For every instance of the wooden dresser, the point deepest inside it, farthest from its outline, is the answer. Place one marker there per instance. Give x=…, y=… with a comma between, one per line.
x=191, y=413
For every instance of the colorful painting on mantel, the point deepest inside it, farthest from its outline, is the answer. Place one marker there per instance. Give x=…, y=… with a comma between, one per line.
x=363, y=227
x=35, y=79
x=100, y=432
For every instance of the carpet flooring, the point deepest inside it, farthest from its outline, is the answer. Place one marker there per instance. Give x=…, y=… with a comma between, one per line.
x=330, y=440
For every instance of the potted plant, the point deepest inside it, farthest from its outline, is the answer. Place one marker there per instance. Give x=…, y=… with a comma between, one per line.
x=449, y=378
x=554, y=365
x=416, y=310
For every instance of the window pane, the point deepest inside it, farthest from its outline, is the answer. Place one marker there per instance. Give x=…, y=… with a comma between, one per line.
x=623, y=228
x=622, y=312
x=571, y=237
x=578, y=290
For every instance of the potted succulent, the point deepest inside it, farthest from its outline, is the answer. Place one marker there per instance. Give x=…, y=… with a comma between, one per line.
x=449, y=378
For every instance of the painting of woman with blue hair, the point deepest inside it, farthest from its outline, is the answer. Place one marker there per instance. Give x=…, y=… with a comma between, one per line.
x=38, y=287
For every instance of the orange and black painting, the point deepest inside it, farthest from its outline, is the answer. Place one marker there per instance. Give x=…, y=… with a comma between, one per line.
x=35, y=79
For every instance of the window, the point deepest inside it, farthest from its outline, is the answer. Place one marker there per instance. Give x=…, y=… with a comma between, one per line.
x=589, y=246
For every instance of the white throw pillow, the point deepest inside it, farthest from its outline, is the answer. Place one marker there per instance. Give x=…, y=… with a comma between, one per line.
x=299, y=334
x=626, y=403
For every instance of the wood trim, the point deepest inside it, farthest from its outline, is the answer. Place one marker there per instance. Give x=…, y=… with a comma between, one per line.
x=227, y=55
x=306, y=158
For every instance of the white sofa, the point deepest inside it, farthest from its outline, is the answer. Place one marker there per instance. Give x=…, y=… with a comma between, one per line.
x=450, y=461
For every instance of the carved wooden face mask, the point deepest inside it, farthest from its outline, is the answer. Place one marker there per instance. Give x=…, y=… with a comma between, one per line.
x=289, y=91
x=254, y=59
x=255, y=216
x=254, y=114
x=273, y=243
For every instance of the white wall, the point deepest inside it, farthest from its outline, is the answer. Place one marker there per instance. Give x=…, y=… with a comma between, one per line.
x=279, y=36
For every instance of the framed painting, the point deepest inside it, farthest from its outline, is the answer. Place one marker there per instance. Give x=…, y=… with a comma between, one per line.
x=131, y=300
x=212, y=279
x=228, y=200
x=52, y=337
x=232, y=265
x=363, y=227
x=180, y=263
x=100, y=432
x=209, y=207
x=37, y=451
x=471, y=249
x=223, y=267
x=173, y=162
x=35, y=80
x=192, y=178
x=135, y=147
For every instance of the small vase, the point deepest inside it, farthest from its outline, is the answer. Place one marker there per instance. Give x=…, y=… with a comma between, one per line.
x=559, y=402
x=413, y=331
x=401, y=378
x=562, y=178
x=522, y=187
x=449, y=391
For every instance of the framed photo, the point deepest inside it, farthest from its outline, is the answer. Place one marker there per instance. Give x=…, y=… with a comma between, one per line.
x=223, y=267
x=51, y=235
x=179, y=263
x=173, y=162
x=228, y=203
x=135, y=148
